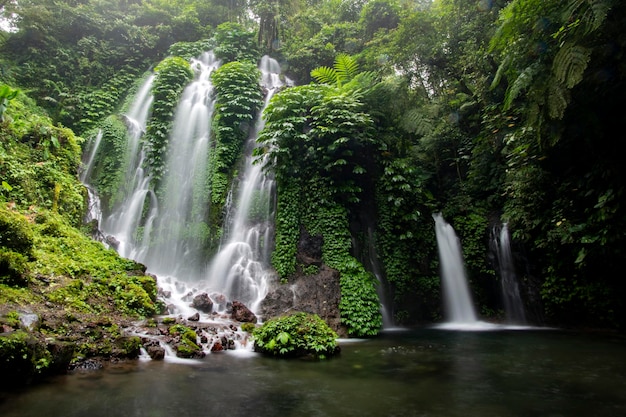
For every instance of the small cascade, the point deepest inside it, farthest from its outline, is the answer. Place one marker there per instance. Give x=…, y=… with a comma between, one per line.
x=126, y=216
x=87, y=163
x=176, y=239
x=457, y=299
x=240, y=269
x=374, y=268
x=512, y=300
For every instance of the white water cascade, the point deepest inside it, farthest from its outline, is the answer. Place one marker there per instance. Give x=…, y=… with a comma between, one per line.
x=125, y=218
x=512, y=300
x=240, y=270
x=459, y=308
x=176, y=239
x=94, y=210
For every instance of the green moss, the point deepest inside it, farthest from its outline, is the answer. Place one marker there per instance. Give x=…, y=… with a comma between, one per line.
x=248, y=327
x=16, y=232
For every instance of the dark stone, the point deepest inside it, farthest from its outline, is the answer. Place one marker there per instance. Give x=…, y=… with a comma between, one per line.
x=195, y=317
x=309, y=249
x=112, y=242
x=316, y=294
x=242, y=313
x=156, y=352
x=203, y=303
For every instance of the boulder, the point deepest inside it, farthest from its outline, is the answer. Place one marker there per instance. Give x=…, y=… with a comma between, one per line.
x=242, y=313
x=203, y=303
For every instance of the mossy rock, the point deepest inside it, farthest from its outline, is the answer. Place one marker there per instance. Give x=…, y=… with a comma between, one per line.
x=16, y=233
x=13, y=268
x=23, y=358
x=296, y=335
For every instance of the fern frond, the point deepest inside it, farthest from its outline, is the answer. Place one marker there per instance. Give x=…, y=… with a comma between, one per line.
x=522, y=82
x=415, y=121
x=504, y=65
x=590, y=13
x=570, y=63
x=346, y=68
x=557, y=100
x=324, y=75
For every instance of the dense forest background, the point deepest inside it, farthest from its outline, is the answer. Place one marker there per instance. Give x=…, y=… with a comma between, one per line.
x=486, y=111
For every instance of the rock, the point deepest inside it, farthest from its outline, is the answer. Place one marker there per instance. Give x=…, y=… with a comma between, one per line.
x=316, y=294
x=203, y=303
x=112, y=242
x=156, y=352
x=195, y=317
x=309, y=249
x=242, y=313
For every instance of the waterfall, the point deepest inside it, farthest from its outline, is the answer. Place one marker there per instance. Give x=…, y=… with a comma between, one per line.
x=177, y=234
x=165, y=228
x=94, y=211
x=87, y=164
x=512, y=300
x=125, y=218
x=240, y=270
x=457, y=299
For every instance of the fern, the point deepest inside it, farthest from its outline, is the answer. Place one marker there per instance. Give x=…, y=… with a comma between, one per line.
x=415, y=121
x=570, y=63
x=558, y=99
x=590, y=13
x=346, y=68
x=324, y=75
x=521, y=83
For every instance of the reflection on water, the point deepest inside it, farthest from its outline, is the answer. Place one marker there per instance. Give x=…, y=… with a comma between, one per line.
x=429, y=372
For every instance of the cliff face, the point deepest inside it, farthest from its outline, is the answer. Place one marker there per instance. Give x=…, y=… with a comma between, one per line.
x=313, y=289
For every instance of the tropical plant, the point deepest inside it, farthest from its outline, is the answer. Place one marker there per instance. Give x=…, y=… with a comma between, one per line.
x=298, y=334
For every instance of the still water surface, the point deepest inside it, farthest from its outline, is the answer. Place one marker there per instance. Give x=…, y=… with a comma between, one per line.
x=427, y=372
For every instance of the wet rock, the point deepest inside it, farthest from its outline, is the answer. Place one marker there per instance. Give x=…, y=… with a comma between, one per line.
x=309, y=249
x=242, y=313
x=112, y=242
x=155, y=352
x=87, y=365
x=195, y=317
x=203, y=303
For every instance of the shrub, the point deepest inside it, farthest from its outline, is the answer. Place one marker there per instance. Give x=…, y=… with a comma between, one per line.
x=298, y=334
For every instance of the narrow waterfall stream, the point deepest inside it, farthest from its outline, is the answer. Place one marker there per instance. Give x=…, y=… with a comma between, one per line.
x=459, y=307
x=511, y=297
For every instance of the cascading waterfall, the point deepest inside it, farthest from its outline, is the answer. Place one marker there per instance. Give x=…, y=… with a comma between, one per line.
x=512, y=300
x=94, y=210
x=457, y=299
x=240, y=270
x=176, y=239
x=125, y=218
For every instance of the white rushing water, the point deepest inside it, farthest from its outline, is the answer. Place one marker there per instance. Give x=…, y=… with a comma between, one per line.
x=512, y=300
x=240, y=270
x=166, y=232
x=459, y=307
x=177, y=231
x=125, y=218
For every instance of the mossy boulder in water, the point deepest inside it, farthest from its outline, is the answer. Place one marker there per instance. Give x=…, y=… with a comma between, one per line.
x=296, y=335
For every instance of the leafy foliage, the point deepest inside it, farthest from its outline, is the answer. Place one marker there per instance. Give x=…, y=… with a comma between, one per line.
x=238, y=100
x=296, y=335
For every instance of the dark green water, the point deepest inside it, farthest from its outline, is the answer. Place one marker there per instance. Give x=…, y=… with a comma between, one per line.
x=419, y=373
